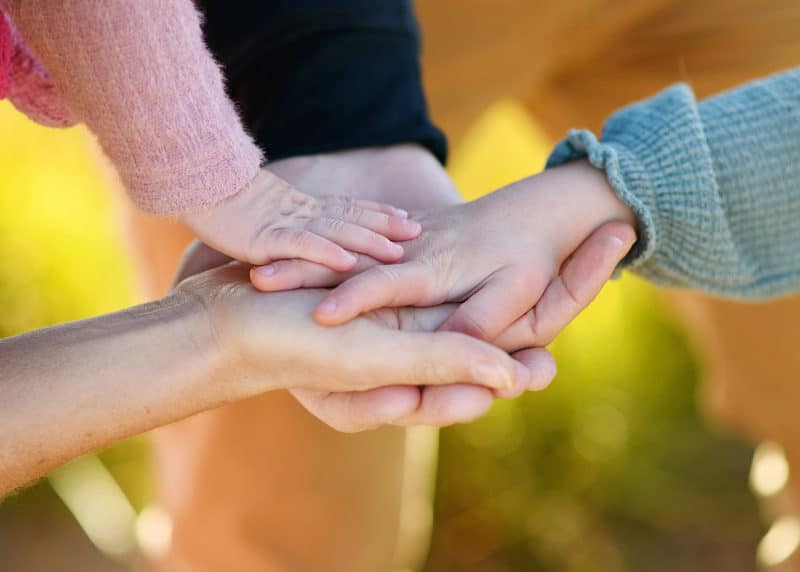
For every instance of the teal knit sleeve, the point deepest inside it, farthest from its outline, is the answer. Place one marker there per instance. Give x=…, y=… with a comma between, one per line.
x=715, y=186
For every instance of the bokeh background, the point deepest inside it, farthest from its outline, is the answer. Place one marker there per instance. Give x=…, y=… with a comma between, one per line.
x=615, y=468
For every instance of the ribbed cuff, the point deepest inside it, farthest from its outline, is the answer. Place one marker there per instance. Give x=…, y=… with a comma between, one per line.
x=225, y=168
x=657, y=160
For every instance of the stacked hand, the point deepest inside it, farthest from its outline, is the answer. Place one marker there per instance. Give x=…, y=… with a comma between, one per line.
x=271, y=220
x=518, y=261
x=496, y=256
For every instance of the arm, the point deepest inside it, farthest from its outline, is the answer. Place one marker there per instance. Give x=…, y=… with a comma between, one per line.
x=140, y=77
x=368, y=104
x=715, y=185
x=74, y=388
x=70, y=389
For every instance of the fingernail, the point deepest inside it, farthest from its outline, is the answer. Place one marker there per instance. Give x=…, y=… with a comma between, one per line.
x=492, y=376
x=394, y=248
x=617, y=242
x=544, y=378
x=268, y=270
x=400, y=212
x=327, y=307
x=350, y=258
x=413, y=226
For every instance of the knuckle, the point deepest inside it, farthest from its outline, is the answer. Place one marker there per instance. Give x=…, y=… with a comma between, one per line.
x=430, y=371
x=533, y=329
x=540, y=329
x=302, y=239
x=573, y=297
x=257, y=248
x=386, y=273
x=472, y=326
x=349, y=209
x=335, y=225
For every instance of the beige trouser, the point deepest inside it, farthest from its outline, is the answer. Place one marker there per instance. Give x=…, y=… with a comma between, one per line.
x=262, y=486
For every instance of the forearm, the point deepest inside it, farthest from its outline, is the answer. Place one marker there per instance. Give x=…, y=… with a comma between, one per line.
x=715, y=186
x=139, y=75
x=73, y=388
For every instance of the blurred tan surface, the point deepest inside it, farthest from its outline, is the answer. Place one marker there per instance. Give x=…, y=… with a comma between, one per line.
x=260, y=486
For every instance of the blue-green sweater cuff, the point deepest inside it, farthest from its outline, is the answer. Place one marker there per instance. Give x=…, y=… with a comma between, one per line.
x=657, y=160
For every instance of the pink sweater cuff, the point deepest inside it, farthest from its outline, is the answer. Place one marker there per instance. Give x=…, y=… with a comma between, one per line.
x=141, y=78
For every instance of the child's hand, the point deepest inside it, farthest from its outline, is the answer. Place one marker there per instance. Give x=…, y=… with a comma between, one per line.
x=496, y=255
x=271, y=220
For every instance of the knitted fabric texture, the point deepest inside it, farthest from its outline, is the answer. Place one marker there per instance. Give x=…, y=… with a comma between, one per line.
x=138, y=74
x=715, y=186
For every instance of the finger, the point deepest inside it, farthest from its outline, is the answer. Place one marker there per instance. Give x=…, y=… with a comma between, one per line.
x=357, y=239
x=305, y=244
x=391, y=226
x=293, y=274
x=381, y=208
x=448, y=405
x=493, y=308
x=394, y=285
x=437, y=358
x=360, y=410
x=581, y=279
x=541, y=367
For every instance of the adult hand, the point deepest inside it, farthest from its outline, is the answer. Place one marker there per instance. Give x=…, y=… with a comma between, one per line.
x=581, y=279
x=410, y=177
x=270, y=341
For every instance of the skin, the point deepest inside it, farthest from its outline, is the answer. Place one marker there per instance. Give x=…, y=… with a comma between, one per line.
x=410, y=177
x=271, y=220
x=73, y=388
x=496, y=255
x=291, y=491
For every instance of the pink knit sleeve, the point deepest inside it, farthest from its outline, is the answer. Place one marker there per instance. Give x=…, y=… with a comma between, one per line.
x=140, y=76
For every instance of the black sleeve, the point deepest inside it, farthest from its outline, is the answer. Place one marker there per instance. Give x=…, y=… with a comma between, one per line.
x=313, y=76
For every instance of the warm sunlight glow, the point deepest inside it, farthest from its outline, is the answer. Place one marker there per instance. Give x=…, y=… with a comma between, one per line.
x=97, y=503
x=154, y=531
x=780, y=542
x=770, y=470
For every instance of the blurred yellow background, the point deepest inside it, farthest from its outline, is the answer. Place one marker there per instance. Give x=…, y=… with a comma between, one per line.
x=611, y=469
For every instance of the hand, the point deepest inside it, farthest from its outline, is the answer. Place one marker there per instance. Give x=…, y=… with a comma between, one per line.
x=581, y=279
x=409, y=176
x=269, y=341
x=271, y=220
x=496, y=255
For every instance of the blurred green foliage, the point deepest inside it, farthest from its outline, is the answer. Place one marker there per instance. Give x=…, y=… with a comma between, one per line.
x=611, y=469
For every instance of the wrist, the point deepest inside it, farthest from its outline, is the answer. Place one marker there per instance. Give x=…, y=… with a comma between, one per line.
x=198, y=354
x=593, y=201
x=599, y=196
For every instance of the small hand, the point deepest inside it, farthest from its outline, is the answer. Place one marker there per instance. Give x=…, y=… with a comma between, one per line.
x=271, y=220
x=496, y=255
x=581, y=279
